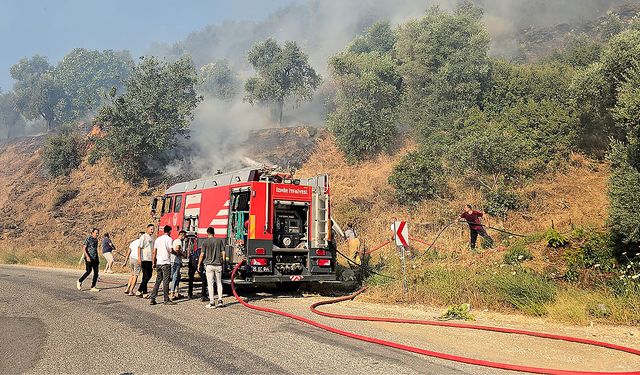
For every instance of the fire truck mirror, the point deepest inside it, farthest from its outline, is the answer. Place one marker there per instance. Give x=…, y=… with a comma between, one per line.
x=154, y=205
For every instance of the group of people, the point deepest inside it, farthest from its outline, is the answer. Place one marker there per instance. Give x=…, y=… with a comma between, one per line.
x=164, y=255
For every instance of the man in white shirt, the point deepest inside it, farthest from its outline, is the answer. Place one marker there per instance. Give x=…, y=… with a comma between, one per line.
x=162, y=250
x=132, y=257
x=176, y=263
x=145, y=259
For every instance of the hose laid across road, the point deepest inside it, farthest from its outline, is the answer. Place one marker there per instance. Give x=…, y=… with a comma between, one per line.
x=450, y=357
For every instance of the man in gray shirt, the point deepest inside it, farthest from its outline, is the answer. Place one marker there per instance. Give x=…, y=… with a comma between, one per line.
x=212, y=250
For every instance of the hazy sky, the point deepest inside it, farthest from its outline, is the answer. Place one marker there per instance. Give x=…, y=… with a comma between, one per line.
x=54, y=27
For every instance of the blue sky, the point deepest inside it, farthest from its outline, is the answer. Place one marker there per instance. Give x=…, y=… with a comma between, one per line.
x=53, y=28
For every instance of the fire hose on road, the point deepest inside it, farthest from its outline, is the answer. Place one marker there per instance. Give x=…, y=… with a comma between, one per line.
x=450, y=357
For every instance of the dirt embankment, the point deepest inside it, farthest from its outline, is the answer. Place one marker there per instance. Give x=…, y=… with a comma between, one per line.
x=45, y=220
x=288, y=148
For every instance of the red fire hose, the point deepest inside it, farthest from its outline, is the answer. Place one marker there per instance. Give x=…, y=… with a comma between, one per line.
x=378, y=247
x=450, y=357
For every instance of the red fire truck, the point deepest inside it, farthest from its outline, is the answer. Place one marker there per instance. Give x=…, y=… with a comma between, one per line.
x=281, y=225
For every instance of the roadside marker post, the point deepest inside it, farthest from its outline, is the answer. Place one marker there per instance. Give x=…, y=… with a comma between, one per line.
x=401, y=236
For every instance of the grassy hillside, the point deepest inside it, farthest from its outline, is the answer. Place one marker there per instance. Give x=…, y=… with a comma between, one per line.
x=503, y=278
x=44, y=220
x=362, y=195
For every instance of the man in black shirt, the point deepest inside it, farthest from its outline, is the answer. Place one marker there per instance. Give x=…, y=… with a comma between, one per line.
x=90, y=250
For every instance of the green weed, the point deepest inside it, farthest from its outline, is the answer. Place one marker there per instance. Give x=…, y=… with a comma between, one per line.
x=516, y=254
x=523, y=289
x=457, y=312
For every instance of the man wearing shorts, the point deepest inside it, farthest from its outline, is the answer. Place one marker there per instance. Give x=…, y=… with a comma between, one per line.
x=107, y=252
x=132, y=257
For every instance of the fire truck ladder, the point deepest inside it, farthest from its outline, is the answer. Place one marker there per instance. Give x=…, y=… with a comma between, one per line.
x=320, y=207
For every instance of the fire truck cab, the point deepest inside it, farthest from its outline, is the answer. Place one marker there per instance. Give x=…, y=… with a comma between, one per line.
x=281, y=225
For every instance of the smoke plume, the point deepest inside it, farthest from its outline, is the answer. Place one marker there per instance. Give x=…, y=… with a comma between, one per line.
x=323, y=28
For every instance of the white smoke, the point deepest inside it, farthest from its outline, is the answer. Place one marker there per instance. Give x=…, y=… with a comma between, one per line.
x=322, y=28
x=220, y=129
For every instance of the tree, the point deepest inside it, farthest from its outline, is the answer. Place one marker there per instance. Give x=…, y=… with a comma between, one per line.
x=218, y=80
x=528, y=138
x=377, y=38
x=283, y=73
x=144, y=125
x=510, y=84
x=10, y=118
x=38, y=94
x=627, y=112
x=444, y=64
x=610, y=26
x=87, y=76
x=579, y=51
x=624, y=197
x=367, y=99
x=595, y=89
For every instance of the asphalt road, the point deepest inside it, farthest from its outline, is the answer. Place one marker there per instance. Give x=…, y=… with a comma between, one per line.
x=50, y=327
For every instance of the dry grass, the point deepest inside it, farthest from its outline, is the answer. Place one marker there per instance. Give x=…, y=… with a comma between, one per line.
x=578, y=306
x=575, y=196
x=44, y=229
x=361, y=194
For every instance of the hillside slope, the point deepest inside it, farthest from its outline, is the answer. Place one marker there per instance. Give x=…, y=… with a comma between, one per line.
x=44, y=220
x=361, y=194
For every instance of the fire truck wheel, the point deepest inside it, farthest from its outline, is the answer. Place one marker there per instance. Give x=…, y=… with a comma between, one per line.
x=288, y=287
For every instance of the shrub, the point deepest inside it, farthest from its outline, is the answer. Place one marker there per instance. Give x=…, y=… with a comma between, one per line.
x=10, y=257
x=574, y=257
x=500, y=200
x=598, y=250
x=624, y=195
x=524, y=290
x=94, y=155
x=416, y=177
x=555, y=239
x=457, y=312
x=62, y=153
x=517, y=254
x=599, y=310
